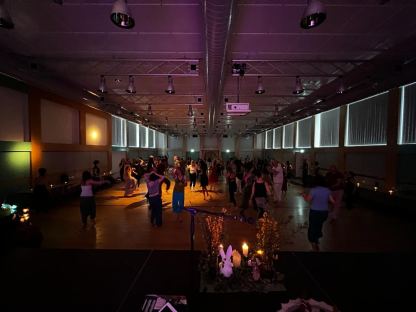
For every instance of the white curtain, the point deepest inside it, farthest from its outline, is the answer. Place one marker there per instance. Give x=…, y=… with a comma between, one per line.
x=133, y=134
x=327, y=128
x=119, y=131
x=151, y=138
x=367, y=121
x=408, y=115
x=143, y=136
x=277, y=137
x=259, y=141
x=269, y=139
x=303, y=133
x=288, y=131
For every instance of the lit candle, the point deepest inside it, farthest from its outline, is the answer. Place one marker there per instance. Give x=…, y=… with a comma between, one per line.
x=375, y=188
x=51, y=185
x=391, y=192
x=245, y=249
x=236, y=259
x=358, y=184
x=25, y=210
x=260, y=252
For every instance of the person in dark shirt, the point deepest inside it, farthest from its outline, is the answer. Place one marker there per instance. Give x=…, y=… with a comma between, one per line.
x=260, y=190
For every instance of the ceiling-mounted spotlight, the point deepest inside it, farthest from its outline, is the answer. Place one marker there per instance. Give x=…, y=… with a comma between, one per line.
x=121, y=16
x=170, y=89
x=260, y=89
x=190, y=111
x=341, y=87
x=131, y=88
x=102, y=87
x=313, y=15
x=149, y=110
x=298, y=86
x=5, y=19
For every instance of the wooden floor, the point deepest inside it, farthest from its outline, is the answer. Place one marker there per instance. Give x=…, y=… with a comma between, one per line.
x=123, y=223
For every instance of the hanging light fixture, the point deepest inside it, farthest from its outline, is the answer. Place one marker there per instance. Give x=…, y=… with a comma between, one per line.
x=121, y=16
x=131, y=88
x=190, y=111
x=5, y=19
x=260, y=89
x=149, y=110
x=102, y=87
x=298, y=86
x=314, y=14
x=341, y=87
x=170, y=89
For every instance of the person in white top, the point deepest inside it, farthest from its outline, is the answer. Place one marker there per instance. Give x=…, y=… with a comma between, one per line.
x=87, y=200
x=192, y=169
x=277, y=172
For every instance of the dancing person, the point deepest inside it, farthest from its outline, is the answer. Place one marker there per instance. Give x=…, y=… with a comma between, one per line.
x=277, y=171
x=96, y=171
x=130, y=182
x=192, y=169
x=213, y=176
x=178, y=197
x=319, y=197
x=232, y=184
x=41, y=196
x=203, y=179
x=87, y=199
x=153, y=181
x=260, y=190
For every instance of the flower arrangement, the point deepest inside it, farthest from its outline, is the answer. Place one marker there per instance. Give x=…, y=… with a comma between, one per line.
x=212, y=229
x=267, y=239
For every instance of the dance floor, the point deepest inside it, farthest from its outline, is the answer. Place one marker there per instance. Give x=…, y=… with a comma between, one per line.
x=123, y=223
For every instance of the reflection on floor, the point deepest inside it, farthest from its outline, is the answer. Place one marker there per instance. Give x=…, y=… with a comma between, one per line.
x=123, y=223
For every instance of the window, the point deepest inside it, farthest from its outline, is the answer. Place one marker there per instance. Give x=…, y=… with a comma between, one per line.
x=119, y=131
x=143, y=136
x=133, y=134
x=277, y=137
x=303, y=133
x=407, y=127
x=367, y=121
x=327, y=129
x=269, y=139
x=288, y=131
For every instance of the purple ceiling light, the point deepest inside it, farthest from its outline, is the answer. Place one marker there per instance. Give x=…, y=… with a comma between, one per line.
x=5, y=19
x=170, y=89
x=314, y=14
x=260, y=89
x=102, y=87
x=298, y=87
x=131, y=87
x=121, y=16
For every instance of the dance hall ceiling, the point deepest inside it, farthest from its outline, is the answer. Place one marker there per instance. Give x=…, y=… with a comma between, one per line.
x=214, y=51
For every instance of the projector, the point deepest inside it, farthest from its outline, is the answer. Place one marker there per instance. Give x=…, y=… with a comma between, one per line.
x=238, y=109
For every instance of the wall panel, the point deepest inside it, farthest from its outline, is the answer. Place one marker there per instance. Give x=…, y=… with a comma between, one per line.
x=14, y=115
